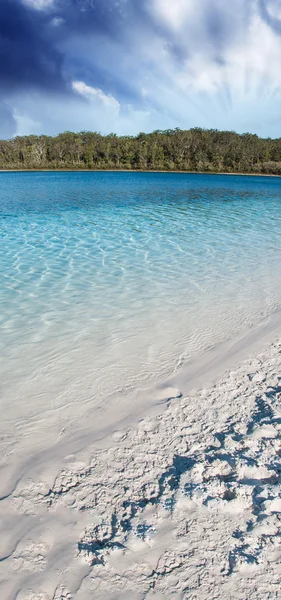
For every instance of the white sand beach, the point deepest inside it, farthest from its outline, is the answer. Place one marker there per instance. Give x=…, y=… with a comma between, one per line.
x=182, y=501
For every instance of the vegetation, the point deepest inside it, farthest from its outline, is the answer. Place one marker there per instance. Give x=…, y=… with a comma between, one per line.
x=172, y=150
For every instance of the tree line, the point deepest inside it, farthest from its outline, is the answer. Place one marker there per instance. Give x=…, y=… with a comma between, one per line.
x=205, y=150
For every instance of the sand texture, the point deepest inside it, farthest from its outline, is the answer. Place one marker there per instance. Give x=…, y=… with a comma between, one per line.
x=186, y=504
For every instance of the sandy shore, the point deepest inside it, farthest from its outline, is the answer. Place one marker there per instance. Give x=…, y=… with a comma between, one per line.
x=136, y=171
x=185, y=503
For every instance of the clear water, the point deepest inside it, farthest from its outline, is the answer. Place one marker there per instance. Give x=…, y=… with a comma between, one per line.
x=110, y=280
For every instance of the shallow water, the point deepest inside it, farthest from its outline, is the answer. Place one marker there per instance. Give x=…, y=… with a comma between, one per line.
x=110, y=280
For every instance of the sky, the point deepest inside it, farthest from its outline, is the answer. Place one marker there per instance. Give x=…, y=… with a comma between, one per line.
x=126, y=66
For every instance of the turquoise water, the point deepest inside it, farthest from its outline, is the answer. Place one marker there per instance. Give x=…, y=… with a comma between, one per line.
x=109, y=280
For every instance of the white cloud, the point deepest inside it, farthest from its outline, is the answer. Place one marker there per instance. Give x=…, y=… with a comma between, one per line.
x=274, y=8
x=39, y=4
x=218, y=68
x=57, y=21
x=246, y=65
x=96, y=95
x=220, y=80
x=173, y=12
x=38, y=113
x=25, y=124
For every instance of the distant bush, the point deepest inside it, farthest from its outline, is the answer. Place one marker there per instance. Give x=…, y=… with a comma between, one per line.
x=172, y=150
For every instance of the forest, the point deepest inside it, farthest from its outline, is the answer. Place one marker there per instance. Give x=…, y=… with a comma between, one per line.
x=204, y=150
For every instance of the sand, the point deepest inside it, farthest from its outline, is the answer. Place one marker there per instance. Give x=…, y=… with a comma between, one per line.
x=183, y=501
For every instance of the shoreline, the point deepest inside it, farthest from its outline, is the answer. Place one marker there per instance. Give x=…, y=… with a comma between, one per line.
x=126, y=409
x=137, y=171
x=126, y=512
x=140, y=453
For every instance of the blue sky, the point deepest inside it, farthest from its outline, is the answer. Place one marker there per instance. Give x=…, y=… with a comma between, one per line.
x=126, y=66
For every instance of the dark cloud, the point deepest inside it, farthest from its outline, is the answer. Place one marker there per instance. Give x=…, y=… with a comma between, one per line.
x=268, y=16
x=35, y=53
x=28, y=57
x=88, y=30
x=225, y=22
x=109, y=18
x=132, y=49
x=38, y=55
x=219, y=27
x=99, y=43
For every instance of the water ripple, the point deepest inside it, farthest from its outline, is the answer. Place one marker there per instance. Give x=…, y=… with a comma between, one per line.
x=117, y=278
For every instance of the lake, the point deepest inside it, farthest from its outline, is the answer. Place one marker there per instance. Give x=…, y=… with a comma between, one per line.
x=110, y=281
